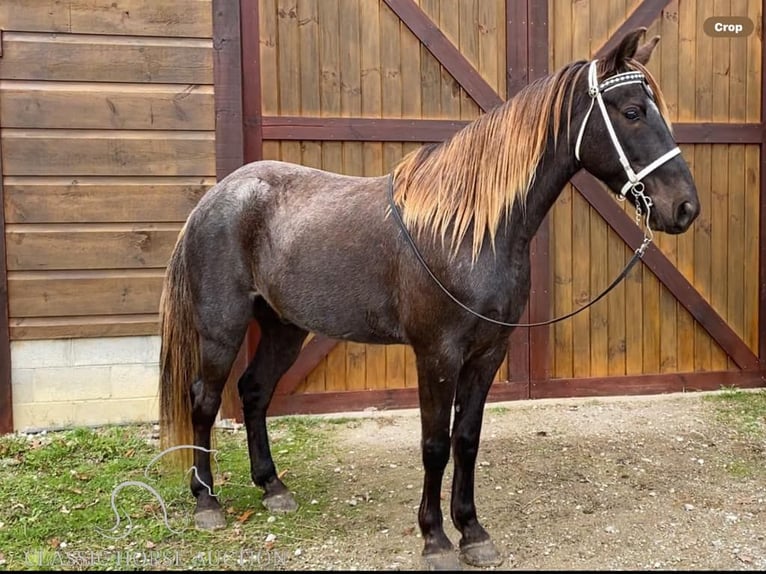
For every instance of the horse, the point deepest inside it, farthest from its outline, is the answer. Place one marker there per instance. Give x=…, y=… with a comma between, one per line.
x=304, y=250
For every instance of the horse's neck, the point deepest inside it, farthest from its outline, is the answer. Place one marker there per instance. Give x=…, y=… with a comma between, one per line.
x=555, y=169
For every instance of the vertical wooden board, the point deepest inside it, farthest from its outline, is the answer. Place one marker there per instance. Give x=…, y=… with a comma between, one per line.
x=719, y=180
x=754, y=64
x=668, y=331
x=752, y=203
x=350, y=68
x=329, y=57
x=395, y=366
x=736, y=242
x=581, y=222
x=561, y=218
x=616, y=15
x=450, y=90
x=562, y=272
x=372, y=153
x=289, y=58
x=488, y=49
x=369, y=17
x=469, y=48
x=650, y=306
x=410, y=368
x=615, y=303
x=411, y=75
x=430, y=70
x=599, y=354
x=500, y=41
x=335, y=378
x=269, y=41
x=309, y=57
x=687, y=33
x=702, y=276
x=685, y=264
x=581, y=285
x=351, y=105
x=703, y=67
x=634, y=311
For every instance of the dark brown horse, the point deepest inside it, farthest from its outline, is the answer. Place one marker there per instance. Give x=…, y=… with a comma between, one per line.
x=303, y=250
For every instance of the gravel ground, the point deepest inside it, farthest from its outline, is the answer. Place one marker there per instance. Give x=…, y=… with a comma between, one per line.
x=626, y=483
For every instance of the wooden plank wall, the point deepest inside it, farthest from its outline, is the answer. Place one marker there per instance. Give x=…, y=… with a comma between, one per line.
x=108, y=126
x=640, y=328
x=356, y=58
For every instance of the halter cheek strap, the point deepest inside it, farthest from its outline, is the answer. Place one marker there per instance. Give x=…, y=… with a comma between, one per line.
x=595, y=90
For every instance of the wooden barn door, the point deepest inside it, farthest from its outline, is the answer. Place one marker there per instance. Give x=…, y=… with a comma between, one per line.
x=352, y=85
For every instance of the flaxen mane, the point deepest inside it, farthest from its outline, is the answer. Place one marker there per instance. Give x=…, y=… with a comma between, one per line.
x=478, y=174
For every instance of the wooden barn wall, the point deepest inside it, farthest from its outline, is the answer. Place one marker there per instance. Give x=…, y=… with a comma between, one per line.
x=339, y=58
x=108, y=140
x=640, y=328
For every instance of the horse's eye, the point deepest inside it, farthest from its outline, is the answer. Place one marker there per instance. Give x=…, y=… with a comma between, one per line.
x=632, y=114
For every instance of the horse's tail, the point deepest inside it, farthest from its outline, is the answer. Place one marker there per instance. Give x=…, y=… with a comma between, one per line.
x=179, y=356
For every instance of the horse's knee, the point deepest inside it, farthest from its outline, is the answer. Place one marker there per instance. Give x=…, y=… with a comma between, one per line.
x=436, y=451
x=466, y=446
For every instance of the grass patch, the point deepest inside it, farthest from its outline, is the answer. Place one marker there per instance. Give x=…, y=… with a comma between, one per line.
x=744, y=411
x=56, y=491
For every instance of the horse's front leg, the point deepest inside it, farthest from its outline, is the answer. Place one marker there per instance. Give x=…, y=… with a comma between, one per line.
x=476, y=547
x=437, y=377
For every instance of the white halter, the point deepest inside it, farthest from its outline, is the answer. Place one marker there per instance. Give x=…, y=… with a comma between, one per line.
x=595, y=90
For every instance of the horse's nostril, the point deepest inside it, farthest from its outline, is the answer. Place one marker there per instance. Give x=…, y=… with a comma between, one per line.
x=685, y=214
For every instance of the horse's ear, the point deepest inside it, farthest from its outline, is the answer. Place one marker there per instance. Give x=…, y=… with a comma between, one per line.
x=645, y=52
x=625, y=50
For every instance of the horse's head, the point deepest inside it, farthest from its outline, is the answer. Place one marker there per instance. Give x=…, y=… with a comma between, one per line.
x=624, y=139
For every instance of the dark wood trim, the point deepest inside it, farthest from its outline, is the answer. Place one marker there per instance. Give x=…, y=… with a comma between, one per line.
x=6, y=391
x=311, y=355
x=381, y=399
x=516, y=78
x=387, y=399
x=647, y=384
x=762, y=211
x=642, y=17
x=665, y=271
x=227, y=75
x=541, y=272
x=516, y=47
x=717, y=133
x=445, y=52
x=229, y=140
x=417, y=130
x=251, y=81
x=252, y=149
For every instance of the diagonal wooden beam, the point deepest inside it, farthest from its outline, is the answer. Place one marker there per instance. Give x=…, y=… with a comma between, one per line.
x=666, y=272
x=445, y=52
x=642, y=17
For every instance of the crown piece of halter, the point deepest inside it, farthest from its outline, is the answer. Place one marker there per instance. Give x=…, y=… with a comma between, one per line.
x=595, y=90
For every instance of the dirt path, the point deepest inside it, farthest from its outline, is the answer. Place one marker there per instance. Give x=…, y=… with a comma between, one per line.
x=642, y=483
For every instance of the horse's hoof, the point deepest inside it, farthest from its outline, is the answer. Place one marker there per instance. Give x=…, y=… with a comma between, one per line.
x=444, y=560
x=481, y=554
x=282, y=502
x=210, y=519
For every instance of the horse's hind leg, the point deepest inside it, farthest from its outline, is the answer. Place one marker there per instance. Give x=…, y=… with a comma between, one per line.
x=278, y=348
x=219, y=349
x=476, y=547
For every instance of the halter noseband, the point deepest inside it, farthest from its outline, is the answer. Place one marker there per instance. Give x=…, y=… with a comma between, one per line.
x=634, y=182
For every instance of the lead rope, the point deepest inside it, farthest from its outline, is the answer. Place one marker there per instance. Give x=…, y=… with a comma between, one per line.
x=638, y=254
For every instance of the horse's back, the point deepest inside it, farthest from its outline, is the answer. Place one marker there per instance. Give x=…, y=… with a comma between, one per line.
x=319, y=246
